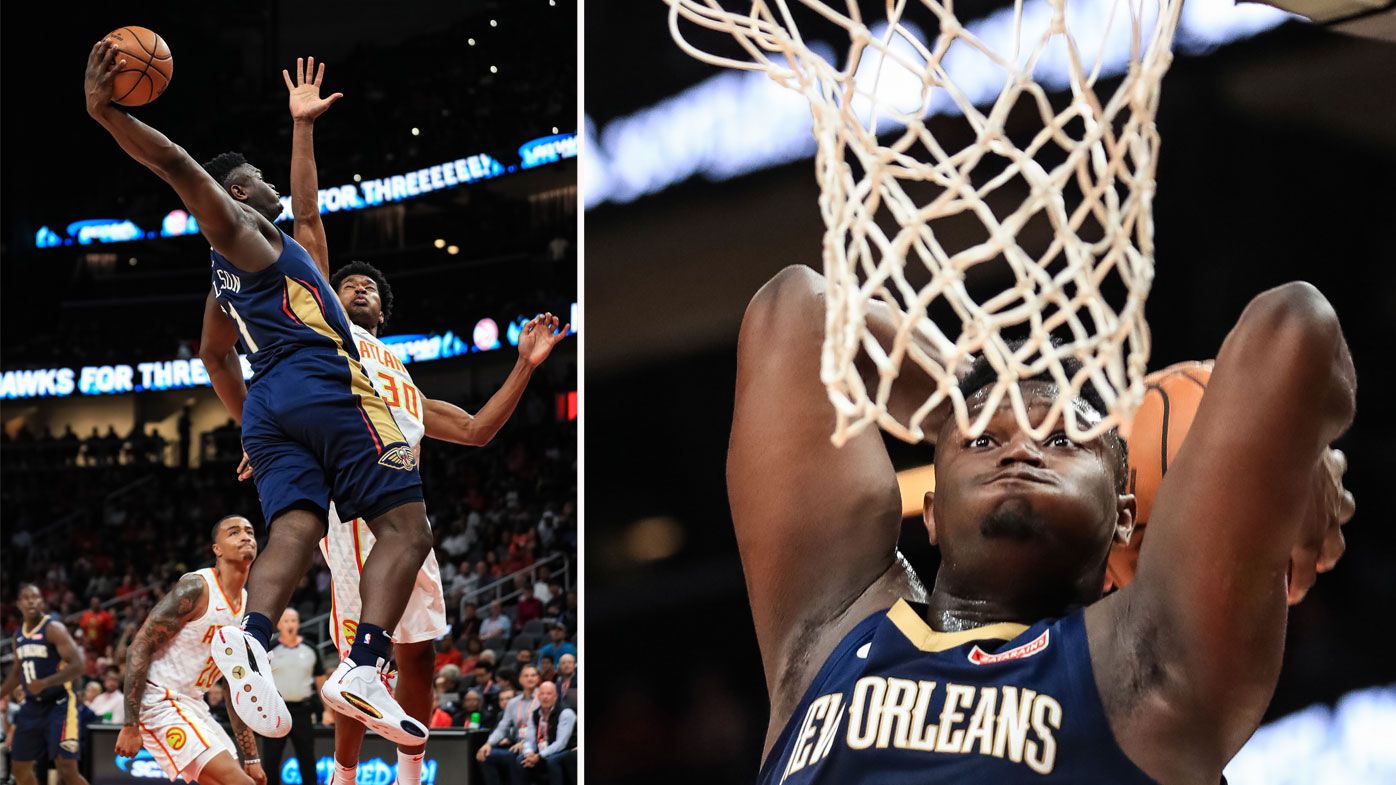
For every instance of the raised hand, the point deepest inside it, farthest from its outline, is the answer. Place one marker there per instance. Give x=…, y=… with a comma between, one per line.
x=540, y=334
x=1321, y=541
x=305, y=101
x=102, y=65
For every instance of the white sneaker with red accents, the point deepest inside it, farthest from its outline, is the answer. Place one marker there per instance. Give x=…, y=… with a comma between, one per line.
x=252, y=692
x=358, y=691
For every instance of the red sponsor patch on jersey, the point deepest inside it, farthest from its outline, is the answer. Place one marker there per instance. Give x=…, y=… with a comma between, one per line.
x=980, y=657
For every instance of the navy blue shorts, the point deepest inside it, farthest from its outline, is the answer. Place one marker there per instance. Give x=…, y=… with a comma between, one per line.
x=49, y=731
x=315, y=431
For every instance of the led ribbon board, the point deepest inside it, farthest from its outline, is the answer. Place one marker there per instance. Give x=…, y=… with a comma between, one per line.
x=351, y=196
x=484, y=336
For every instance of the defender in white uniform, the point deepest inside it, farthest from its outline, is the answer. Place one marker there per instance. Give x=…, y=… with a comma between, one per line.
x=168, y=670
x=368, y=300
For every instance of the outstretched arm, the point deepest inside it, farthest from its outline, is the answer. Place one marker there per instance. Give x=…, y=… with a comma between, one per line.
x=218, y=350
x=230, y=229
x=450, y=423
x=1187, y=656
x=306, y=105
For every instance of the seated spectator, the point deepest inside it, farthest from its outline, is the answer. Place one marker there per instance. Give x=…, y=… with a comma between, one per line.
x=501, y=752
x=447, y=653
x=469, y=623
x=546, y=669
x=528, y=609
x=485, y=681
x=567, y=682
x=507, y=677
x=109, y=704
x=97, y=625
x=549, y=742
x=471, y=655
x=90, y=691
x=439, y=718
x=558, y=645
x=496, y=625
x=217, y=706
x=495, y=709
x=524, y=657
x=472, y=710
x=541, y=589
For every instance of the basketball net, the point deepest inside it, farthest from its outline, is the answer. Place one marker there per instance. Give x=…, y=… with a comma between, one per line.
x=1083, y=174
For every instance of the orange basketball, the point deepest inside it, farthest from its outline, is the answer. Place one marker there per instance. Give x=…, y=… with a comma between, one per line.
x=1154, y=435
x=149, y=66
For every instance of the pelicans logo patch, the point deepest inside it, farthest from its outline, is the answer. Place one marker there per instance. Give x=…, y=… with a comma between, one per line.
x=400, y=457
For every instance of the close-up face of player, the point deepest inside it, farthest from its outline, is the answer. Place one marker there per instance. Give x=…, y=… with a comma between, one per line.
x=235, y=539
x=246, y=185
x=31, y=602
x=1039, y=514
x=362, y=300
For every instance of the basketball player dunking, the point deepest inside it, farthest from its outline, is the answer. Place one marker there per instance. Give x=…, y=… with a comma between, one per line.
x=1013, y=668
x=368, y=300
x=168, y=670
x=312, y=424
x=47, y=662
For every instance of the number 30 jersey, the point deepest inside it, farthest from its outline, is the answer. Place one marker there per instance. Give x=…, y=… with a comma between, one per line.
x=394, y=384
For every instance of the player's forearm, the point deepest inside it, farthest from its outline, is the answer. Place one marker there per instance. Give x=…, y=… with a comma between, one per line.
x=137, y=672
x=69, y=671
x=243, y=736
x=225, y=374
x=305, y=178
x=11, y=681
x=480, y=429
x=448, y=422
x=145, y=144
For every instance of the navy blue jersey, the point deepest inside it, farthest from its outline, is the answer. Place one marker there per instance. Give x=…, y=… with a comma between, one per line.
x=898, y=703
x=38, y=659
x=288, y=308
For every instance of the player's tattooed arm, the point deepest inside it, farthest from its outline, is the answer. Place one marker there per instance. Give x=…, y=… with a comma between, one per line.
x=243, y=735
x=186, y=600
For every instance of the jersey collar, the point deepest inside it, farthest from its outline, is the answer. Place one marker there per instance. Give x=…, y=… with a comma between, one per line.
x=920, y=634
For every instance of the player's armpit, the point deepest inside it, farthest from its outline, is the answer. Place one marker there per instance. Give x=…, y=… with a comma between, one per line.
x=1187, y=657
x=187, y=599
x=816, y=525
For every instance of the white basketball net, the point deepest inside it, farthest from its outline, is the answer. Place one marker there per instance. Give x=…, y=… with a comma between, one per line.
x=1083, y=176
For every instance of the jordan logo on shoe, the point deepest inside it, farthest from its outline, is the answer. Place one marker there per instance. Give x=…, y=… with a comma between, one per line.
x=362, y=705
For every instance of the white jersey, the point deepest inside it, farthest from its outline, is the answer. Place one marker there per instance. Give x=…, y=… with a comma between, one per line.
x=184, y=666
x=394, y=384
x=346, y=544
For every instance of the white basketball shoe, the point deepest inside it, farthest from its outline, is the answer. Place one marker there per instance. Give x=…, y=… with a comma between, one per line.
x=252, y=693
x=358, y=691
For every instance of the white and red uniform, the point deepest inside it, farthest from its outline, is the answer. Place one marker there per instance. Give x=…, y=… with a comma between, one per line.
x=176, y=725
x=346, y=544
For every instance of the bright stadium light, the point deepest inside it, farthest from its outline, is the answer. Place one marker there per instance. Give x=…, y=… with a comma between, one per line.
x=738, y=122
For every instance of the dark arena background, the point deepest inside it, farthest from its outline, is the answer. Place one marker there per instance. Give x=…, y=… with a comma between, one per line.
x=118, y=457
x=1277, y=157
